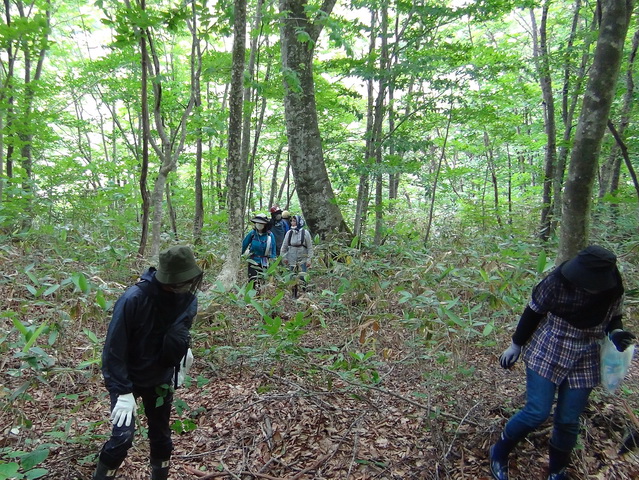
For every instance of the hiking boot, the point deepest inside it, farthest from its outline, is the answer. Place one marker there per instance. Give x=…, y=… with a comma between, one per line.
x=102, y=472
x=558, y=476
x=498, y=468
x=558, y=462
x=159, y=469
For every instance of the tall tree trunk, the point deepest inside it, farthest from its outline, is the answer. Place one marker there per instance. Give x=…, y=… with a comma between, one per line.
x=442, y=157
x=363, y=190
x=172, y=214
x=19, y=108
x=314, y=188
x=236, y=166
x=493, y=175
x=569, y=105
x=540, y=52
x=249, y=91
x=146, y=134
x=384, y=63
x=592, y=126
x=196, y=93
x=610, y=170
x=171, y=144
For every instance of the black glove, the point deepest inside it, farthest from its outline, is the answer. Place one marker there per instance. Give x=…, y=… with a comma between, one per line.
x=621, y=339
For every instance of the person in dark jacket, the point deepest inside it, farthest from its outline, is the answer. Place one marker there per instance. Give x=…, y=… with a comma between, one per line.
x=147, y=337
x=278, y=227
x=560, y=331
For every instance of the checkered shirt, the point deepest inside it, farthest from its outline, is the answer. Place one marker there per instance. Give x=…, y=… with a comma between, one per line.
x=559, y=351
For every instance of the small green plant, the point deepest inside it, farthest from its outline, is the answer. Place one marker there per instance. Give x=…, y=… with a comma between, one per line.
x=360, y=365
x=182, y=424
x=285, y=335
x=23, y=465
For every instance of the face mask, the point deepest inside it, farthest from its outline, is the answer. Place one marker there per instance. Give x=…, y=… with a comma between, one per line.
x=179, y=287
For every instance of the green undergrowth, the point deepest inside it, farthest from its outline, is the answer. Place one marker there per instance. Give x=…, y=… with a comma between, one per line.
x=365, y=312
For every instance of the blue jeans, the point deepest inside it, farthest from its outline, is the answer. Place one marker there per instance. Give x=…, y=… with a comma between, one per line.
x=540, y=394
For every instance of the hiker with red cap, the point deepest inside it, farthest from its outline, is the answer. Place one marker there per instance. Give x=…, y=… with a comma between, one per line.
x=278, y=227
x=559, y=334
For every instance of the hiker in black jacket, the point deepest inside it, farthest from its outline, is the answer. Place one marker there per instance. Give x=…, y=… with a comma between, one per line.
x=147, y=339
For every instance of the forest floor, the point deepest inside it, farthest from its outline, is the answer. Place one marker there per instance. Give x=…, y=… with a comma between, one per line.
x=431, y=414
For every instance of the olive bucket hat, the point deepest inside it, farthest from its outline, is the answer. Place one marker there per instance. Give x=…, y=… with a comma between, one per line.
x=177, y=265
x=593, y=268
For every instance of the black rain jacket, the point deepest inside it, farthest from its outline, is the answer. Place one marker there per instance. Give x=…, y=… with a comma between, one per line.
x=133, y=349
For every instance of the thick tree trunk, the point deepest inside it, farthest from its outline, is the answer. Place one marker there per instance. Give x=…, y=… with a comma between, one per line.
x=592, y=125
x=314, y=188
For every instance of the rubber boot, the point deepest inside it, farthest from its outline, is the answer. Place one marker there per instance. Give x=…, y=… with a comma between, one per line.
x=558, y=463
x=498, y=455
x=159, y=469
x=102, y=472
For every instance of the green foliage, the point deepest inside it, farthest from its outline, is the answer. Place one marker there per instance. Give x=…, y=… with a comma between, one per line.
x=285, y=335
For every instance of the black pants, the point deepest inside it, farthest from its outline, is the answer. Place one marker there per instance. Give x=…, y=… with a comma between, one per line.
x=256, y=273
x=115, y=449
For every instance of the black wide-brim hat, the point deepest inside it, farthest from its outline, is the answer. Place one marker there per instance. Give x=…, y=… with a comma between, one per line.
x=177, y=265
x=593, y=268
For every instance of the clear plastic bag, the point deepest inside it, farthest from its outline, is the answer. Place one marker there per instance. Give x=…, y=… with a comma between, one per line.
x=614, y=364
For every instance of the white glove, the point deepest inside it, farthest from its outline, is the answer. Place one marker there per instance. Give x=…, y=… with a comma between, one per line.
x=123, y=411
x=510, y=356
x=185, y=366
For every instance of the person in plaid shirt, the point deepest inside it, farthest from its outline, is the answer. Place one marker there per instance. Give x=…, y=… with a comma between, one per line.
x=570, y=311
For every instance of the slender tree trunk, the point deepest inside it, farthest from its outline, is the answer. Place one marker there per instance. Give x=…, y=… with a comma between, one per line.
x=220, y=187
x=592, y=126
x=624, y=154
x=273, y=190
x=363, y=191
x=236, y=167
x=249, y=92
x=540, y=52
x=384, y=63
x=493, y=176
x=170, y=146
x=610, y=170
x=442, y=156
x=569, y=105
x=171, y=210
x=196, y=94
x=146, y=134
